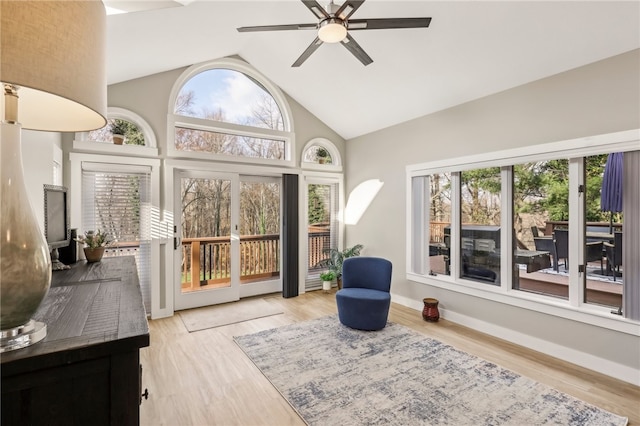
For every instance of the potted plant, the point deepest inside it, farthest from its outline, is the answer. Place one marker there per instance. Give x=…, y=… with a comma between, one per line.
x=95, y=243
x=322, y=155
x=118, y=129
x=327, y=278
x=337, y=257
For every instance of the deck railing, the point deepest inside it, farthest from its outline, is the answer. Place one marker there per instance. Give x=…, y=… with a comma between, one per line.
x=260, y=255
x=207, y=260
x=436, y=231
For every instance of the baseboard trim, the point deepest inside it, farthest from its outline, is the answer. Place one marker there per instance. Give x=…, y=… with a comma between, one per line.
x=600, y=365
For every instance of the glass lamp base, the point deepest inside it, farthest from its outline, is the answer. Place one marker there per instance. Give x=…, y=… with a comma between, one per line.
x=22, y=336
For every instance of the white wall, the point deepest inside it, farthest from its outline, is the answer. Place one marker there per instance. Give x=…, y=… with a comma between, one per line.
x=37, y=161
x=599, y=98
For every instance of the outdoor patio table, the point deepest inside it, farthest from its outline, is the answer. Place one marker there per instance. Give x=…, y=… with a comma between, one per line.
x=535, y=260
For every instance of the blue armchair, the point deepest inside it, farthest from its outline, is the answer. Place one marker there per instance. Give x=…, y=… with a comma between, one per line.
x=364, y=300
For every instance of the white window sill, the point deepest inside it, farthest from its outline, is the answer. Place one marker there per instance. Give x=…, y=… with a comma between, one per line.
x=107, y=148
x=587, y=314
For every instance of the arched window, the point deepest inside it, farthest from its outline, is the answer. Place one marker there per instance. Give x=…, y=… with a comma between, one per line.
x=226, y=110
x=130, y=132
x=321, y=154
x=230, y=96
x=138, y=135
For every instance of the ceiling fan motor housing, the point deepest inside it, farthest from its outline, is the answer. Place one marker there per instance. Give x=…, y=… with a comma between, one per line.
x=332, y=30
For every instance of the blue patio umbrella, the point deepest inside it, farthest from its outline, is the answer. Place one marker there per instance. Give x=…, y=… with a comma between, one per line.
x=611, y=193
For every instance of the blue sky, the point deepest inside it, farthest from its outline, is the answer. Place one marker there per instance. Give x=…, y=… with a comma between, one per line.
x=228, y=90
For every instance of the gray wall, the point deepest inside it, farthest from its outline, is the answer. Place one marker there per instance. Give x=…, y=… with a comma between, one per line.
x=599, y=98
x=149, y=98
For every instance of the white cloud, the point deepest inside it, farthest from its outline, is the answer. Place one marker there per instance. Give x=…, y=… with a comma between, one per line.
x=236, y=97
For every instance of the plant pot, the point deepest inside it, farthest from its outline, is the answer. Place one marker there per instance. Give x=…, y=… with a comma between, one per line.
x=118, y=139
x=93, y=254
x=326, y=286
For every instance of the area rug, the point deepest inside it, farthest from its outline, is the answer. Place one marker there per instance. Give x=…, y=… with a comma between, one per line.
x=228, y=313
x=333, y=375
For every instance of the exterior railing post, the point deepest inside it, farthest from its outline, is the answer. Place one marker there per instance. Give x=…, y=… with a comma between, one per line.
x=195, y=264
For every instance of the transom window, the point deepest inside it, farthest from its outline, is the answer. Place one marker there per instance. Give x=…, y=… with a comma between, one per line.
x=225, y=110
x=229, y=96
x=321, y=154
x=130, y=132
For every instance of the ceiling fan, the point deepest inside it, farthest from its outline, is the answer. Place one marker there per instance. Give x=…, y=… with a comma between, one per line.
x=334, y=26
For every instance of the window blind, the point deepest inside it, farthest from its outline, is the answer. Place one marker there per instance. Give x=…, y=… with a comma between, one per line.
x=117, y=200
x=326, y=194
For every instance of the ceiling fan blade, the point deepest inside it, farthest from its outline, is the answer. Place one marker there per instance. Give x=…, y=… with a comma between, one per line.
x=317, y=10
x=356, y=50
x=278, y=27
x=305, y=55
x=347, y=9
x=388, y=23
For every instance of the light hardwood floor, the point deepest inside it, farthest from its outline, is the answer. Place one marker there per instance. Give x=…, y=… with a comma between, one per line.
x=203, y=378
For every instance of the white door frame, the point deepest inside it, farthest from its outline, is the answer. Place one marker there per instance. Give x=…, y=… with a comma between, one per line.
x=217, y=295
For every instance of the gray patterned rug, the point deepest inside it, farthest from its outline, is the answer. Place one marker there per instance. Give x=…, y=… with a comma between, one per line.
x=333, y=375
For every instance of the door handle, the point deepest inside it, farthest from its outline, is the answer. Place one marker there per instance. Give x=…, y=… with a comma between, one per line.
x=177, y=241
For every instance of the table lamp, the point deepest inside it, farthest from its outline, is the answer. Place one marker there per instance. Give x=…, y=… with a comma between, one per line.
x=52, y=71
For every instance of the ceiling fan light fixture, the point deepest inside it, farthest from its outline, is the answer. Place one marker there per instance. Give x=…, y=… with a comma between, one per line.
x=332, y=30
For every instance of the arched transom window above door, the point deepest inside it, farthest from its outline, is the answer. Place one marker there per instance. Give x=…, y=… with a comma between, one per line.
x=321, y=154
x=136, y=135
x=226, y=110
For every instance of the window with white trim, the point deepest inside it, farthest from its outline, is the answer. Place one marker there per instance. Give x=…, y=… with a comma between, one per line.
x=225, y=110
x=117, y=200
x=323, y=225
x=321, y=154
x=136, y=131
x=530, y=224
x=139, y=138
x=130, y=133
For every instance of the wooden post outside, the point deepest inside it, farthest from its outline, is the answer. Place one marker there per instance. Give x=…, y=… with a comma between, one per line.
x=195, y=265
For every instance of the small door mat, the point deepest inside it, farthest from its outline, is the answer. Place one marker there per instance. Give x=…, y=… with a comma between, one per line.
x=228, y=313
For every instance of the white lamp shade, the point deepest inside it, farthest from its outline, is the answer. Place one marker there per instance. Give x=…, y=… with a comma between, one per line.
x=54, y=52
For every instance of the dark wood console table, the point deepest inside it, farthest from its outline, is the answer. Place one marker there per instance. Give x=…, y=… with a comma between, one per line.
x=87, y=370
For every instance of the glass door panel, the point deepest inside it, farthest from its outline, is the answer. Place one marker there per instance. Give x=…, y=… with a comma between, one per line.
x=206, y=252
x=260, y=232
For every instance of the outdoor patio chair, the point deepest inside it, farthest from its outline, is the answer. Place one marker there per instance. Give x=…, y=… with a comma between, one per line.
x=561, y=245
x=364, y=300
x=547, y=244
x=614, y=254
x=535, y=231
x=593, y=250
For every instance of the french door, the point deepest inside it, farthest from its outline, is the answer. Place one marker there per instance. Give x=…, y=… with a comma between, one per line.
x=229, y=245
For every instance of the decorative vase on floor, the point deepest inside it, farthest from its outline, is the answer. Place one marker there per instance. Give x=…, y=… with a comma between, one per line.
x=326, y=286
x=430, y=312
x=93, y=254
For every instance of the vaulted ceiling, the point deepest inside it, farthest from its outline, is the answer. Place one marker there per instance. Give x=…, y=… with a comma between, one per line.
x=471, y=49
